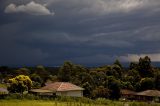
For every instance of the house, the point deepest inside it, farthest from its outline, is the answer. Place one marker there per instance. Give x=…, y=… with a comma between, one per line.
x=61, y=89
x=41, y=92
x=3, y=92
x=127, y=94
x=64, y=89
x=148, y=95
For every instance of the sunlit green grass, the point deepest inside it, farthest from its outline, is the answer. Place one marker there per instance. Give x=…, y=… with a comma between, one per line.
x=3, y=85
x=58, y=103
x=42, y=103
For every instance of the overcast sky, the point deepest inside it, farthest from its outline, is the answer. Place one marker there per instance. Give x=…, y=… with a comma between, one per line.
x=87, y=32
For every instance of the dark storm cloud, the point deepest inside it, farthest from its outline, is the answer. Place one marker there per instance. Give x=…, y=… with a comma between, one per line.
x=88, y=32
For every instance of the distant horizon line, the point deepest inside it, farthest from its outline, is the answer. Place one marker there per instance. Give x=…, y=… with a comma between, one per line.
x=124, y=64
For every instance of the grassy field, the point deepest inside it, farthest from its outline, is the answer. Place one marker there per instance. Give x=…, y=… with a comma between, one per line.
x=16, y=102
x=42, y=103
x=3, y=85
x=55, y=103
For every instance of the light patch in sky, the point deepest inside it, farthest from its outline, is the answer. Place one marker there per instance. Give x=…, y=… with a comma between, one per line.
x=155, y=57
x=112, y=6
x=30, y=8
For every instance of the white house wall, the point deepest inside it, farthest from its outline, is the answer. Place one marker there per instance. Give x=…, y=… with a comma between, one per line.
x=70, y=93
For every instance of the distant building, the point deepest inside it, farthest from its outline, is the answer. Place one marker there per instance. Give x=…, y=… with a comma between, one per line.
x=3, y=92
x=128, y=94
x=60, y=89
x=147, y=95
x=41, y=92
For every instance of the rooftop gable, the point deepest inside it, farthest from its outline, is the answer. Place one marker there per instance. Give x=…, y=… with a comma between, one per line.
x=61, y=86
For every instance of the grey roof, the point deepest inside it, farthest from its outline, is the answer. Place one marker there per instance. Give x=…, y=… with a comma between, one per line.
x=153, y=93
x=41, y=91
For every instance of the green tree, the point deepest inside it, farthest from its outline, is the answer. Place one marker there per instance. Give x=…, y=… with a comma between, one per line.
x=22, y=71
x=76, y=72
x=77, y=69
x=64, y=73
x=114, y=87
x=5, y=71
x=85, y=77
x=127, y=85
x=146, y=83
x=19, y=84
x=145, y=68
x=99, y=78
x=42, y=72
x=134, y=66
x=36, y=80
x=52, y=78
x=157, y=80
x=87, y=89
x=100, y=92
x=117, y=62
x=132, y=77
x=115, y=71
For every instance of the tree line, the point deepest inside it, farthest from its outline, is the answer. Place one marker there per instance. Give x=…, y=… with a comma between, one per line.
x=104, y=81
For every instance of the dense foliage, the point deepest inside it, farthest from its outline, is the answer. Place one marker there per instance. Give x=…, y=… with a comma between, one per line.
x=19, y=84
x=105, y=81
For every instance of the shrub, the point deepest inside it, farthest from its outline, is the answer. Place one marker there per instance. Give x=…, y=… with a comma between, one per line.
x=102, y=101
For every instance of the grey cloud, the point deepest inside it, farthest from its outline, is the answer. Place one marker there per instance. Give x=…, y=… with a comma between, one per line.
x=96, y=7
x=22, y=56
x=150, y=33
x=99, y=59
x=103, y=7
x=86, y=32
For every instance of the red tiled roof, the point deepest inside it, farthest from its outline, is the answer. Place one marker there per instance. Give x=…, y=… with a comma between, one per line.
x=61, y=86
